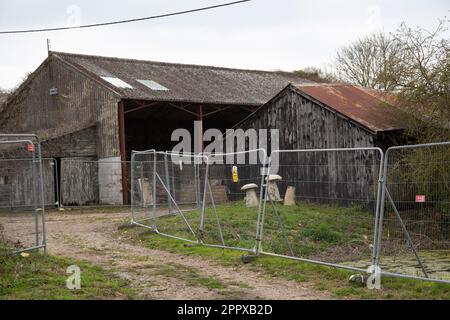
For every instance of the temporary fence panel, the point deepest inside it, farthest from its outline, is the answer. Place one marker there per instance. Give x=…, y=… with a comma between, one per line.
x=183, y=179
x=321, y=205
x=141, y=186
x=22, y=188
x=17, y=176
x=351, y=208
x=165, y=193
x=232, y=199
x=414, y=238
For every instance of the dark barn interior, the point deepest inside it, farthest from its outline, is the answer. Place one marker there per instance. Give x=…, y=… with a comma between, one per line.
x=149, y=125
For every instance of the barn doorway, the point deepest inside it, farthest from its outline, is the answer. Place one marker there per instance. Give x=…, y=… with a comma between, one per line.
x=150, y=125
x=145, y=125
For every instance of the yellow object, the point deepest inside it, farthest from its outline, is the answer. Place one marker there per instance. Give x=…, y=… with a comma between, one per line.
x=61, y=209
x=25, y=255
x=235, y=174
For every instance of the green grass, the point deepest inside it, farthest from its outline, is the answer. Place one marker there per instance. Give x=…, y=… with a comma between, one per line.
x=327, y=232
x=40, y=276
x=319, y=231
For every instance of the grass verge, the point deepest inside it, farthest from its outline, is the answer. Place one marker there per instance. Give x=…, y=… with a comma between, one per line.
x=43, y=277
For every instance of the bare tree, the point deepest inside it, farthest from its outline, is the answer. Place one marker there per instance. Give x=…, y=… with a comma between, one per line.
x=412, y=62
x=372, y=61
x=423, y=81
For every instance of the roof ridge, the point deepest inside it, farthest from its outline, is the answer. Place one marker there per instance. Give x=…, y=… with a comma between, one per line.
x=61, y=53
x=322, y=84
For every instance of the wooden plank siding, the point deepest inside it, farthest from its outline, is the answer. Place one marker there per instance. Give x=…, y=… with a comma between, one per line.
x=80, y=103
x=344, y=177
x=17, y=180
x=82, y=143
x=304, y=124
x=79, y=181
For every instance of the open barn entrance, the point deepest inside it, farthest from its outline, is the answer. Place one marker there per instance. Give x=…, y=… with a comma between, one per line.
x=147, y=125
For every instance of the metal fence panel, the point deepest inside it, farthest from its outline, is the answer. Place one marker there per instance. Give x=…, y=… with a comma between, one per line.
x=232, y=200
x=141, y=180
x=327, y=206
x=351, y=208
x=414, y=238
x=166, y=192
x=22, y=188
x=16, y=177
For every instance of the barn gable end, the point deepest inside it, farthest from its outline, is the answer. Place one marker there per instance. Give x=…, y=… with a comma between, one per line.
x=57, y=100
x=304, y=123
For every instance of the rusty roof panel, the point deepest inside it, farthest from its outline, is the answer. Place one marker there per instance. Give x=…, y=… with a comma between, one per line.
x=368, y=107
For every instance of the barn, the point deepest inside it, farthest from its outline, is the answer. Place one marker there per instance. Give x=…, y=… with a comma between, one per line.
x=323, y=116
x=97, y=109
x=330, y=116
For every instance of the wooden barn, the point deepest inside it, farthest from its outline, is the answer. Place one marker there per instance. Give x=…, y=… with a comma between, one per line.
x=316, y=116
x=98, y=109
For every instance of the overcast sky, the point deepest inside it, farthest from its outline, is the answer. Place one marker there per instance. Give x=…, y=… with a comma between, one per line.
x=261, y=34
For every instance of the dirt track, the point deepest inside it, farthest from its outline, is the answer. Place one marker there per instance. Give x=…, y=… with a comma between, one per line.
x=155, y=274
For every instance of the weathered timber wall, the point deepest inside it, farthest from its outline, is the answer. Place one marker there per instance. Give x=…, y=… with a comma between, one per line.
x=78, y=144
x=18, y=180
x=79, y=181
x=343, y=177
x=304, y=124
x=79, y=104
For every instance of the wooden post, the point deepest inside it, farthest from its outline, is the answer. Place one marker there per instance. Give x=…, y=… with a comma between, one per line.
x=123, y=153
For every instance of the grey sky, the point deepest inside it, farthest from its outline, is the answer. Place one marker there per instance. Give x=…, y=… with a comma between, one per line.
x=262, y=34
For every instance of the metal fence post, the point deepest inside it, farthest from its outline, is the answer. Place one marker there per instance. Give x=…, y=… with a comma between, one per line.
x=377, y=210
x=166, y=169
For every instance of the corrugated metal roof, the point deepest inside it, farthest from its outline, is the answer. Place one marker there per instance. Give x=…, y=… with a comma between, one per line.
x=190, y=83
x=368, y=107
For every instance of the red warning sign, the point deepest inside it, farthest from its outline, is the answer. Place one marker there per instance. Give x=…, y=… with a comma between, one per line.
x=420, y=198
x=30, y=147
